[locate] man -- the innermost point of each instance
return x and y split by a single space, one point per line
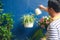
54 11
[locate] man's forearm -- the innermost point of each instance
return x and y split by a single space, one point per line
43 8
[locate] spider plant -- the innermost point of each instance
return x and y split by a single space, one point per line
28 19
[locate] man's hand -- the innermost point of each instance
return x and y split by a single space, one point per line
43 8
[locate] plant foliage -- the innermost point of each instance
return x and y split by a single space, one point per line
6 24
28 19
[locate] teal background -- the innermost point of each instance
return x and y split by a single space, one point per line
19 8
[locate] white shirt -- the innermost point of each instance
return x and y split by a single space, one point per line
54 30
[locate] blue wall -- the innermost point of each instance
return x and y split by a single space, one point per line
19 8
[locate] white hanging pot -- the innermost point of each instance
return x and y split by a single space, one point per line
28 25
